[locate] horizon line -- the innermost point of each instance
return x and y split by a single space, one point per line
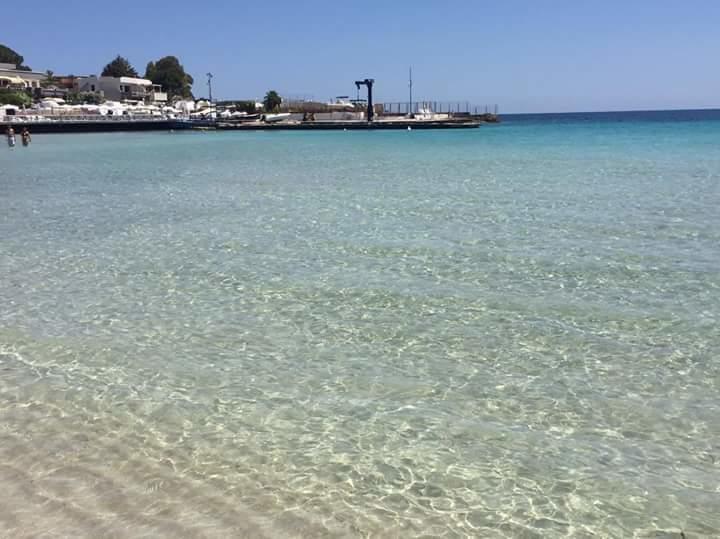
701 109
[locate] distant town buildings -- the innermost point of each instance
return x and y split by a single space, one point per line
112 88
18 79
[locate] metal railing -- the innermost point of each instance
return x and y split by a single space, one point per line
438 107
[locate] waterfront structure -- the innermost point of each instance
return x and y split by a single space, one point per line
52 91
122 88
18 79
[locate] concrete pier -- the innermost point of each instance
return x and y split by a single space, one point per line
111 125
350 125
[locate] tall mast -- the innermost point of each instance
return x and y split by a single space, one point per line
410 85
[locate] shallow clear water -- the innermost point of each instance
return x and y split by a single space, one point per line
507 332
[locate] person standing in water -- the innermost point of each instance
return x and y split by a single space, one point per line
25 136
10 133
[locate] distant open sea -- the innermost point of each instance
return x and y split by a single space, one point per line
512 331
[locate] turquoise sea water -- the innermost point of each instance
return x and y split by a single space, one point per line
505 332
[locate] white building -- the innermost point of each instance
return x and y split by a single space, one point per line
122 88
17 79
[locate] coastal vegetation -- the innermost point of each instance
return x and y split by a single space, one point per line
13 97
8 96
167 72
83 98
272 101
170 74
119 67
9 56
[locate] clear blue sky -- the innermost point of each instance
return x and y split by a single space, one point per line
525 55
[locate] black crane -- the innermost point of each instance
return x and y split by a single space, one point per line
369 83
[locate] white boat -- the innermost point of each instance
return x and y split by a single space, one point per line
342 102
269 118
242 116
205 114
425 113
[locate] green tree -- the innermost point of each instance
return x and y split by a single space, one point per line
169 73
19 99
119 67
150 71
272 101
9 56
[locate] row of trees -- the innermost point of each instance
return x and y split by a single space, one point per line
167 71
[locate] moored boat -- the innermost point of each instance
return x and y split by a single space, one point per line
270 118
